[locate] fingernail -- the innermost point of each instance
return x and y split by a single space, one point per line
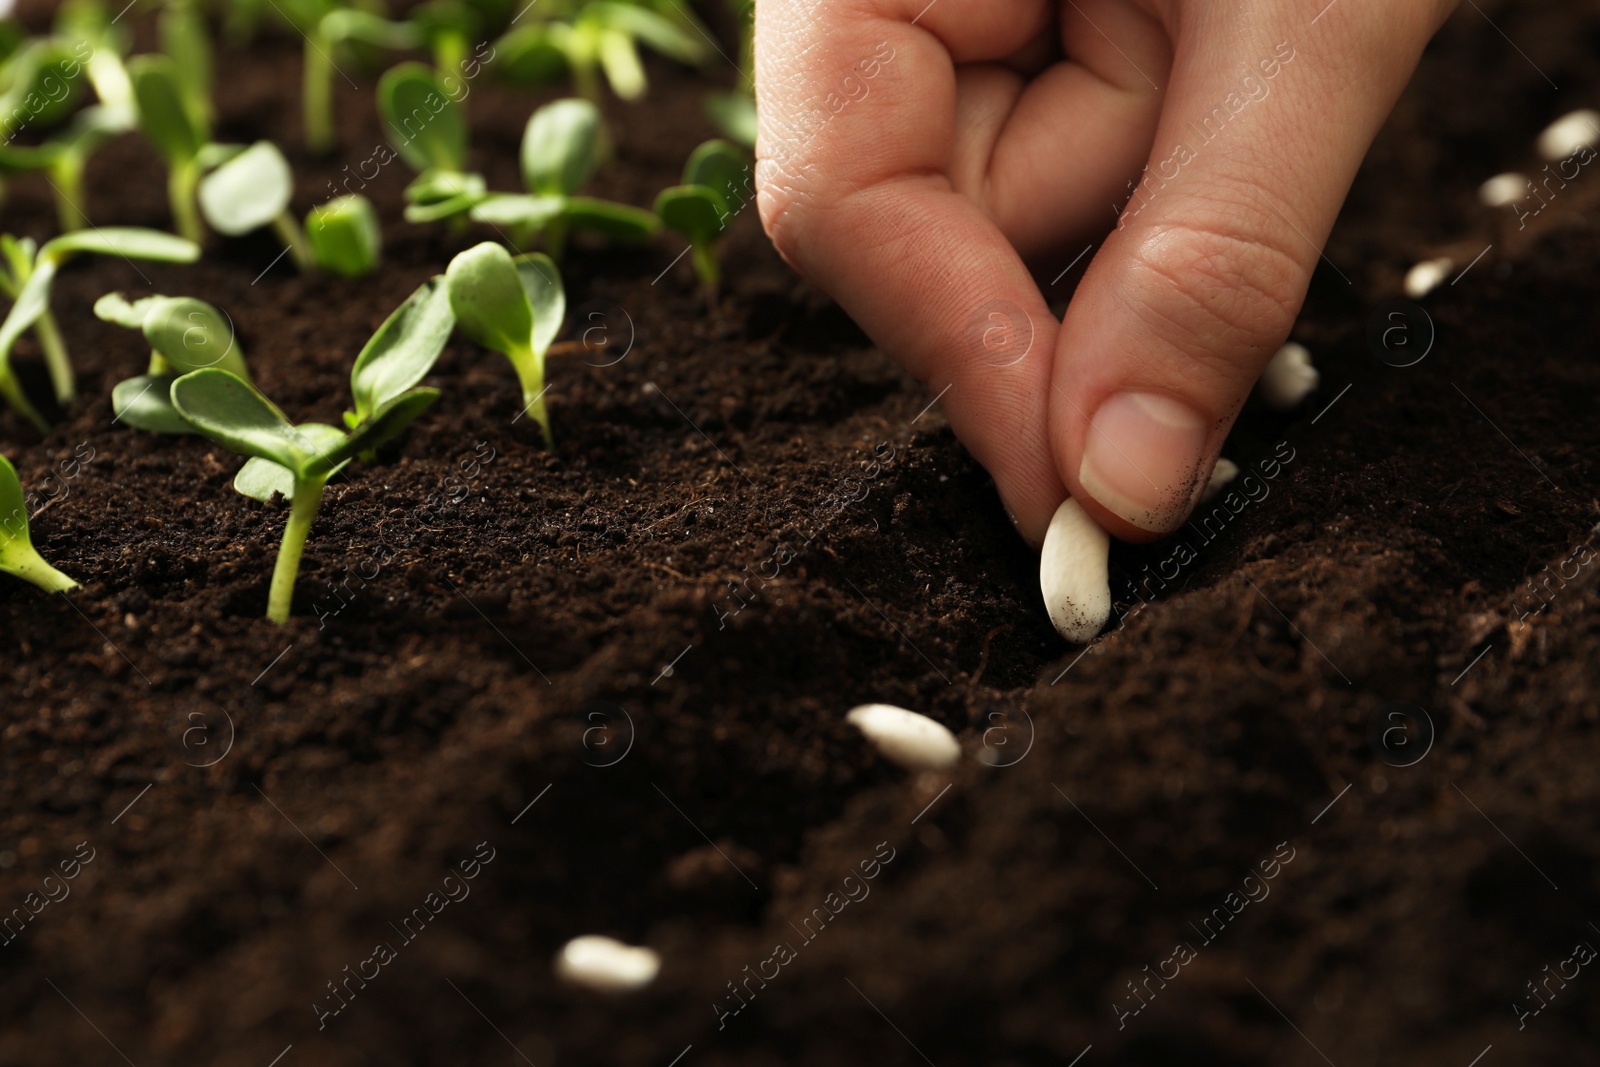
1143 459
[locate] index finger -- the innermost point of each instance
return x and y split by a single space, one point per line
857 103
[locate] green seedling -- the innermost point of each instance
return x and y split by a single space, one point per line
515 307
336 31
184 335
27 273
185 40
715 188
345 237
63 158
429 130
41 82
560 149
396 358
92 27
17 554
734 111
180 131
600 37
252 190
228 410
449 27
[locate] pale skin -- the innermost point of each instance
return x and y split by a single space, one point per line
916 161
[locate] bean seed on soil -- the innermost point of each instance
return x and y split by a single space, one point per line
1074 569
913 741
1570 133
1288 379
606 965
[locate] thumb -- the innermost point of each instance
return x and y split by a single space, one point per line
1267 118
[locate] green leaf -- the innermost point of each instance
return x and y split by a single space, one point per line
533 54
386 423
184 38
619 58
734 113
145 403
114 308
542 282
425 125
352 24
692 210
192 335
518 209
442 209
213 155
345 237
32 302
560 147
659 33
131 242
247 192
620 222
404 349
177 133
43 81
434 186
22 159
229 411
259 478
723 167
444 18
17 554
486 292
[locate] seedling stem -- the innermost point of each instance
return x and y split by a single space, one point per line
530 373
302 511
182 181
55 358
299 248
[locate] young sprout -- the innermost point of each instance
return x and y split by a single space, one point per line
252 190
716 183
334 31
180 132
513 306
63 158
449 27
560 149
345 237
17 554
27 274
398 356
734 111
94 28
43 79
184 335
228 410
429 131
184 38
602 37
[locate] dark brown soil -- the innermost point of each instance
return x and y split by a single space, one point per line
512 636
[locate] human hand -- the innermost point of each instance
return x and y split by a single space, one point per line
914 156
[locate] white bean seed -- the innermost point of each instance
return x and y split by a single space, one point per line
913 741
1288 379
1503 189
1222 476
1569 133
1074 569
1425 277
606 965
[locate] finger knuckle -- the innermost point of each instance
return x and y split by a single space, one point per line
1215 290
